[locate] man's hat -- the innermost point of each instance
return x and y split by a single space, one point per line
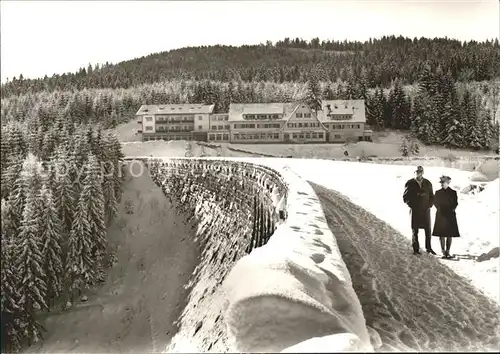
420 169
444 179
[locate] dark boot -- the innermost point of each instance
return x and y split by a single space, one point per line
414 241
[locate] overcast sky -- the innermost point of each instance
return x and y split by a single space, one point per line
46 37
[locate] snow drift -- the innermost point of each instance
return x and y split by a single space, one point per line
296 287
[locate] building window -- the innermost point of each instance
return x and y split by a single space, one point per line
200 127
200 117
307 115
149 128
300 125
214 127
314 135
338 136
149 119
320 135
298 115
226 127
276 136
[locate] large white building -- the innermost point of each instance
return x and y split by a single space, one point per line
296 122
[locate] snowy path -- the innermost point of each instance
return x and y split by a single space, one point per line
414 303
144 294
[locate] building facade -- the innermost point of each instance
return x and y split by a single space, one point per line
338 121
174 121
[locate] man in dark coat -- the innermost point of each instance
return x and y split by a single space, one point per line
419 196
445 225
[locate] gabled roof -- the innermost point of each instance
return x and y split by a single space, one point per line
356 108
186 108
296 106
237 110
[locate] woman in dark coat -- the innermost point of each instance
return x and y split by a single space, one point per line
445 225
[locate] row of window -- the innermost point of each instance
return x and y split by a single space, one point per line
311 135
256 136
344 126
173 137
303 125
174 128
303 115
173 118
339 116
220 118
218 137
219 127
261 125
262 116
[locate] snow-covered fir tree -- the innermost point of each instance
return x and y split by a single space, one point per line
10 295
404 149
313 96
93 197
64 192
399 106
80 267
32 286
51 245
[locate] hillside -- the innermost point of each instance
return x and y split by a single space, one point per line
379 60
440 89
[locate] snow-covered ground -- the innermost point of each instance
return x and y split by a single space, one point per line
407 312
379 190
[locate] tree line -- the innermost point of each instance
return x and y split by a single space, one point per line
290 60
437 97
60 187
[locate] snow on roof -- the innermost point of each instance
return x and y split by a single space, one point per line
237 110
187 108
356 108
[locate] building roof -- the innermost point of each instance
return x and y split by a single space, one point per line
237 110
352 107
186 108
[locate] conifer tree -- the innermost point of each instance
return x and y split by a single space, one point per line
93 197
404 148
10 296
16 197
51 244
400 108
379 109
313 96
32 286
79 265
64 192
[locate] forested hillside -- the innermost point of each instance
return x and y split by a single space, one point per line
379 60
393 75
